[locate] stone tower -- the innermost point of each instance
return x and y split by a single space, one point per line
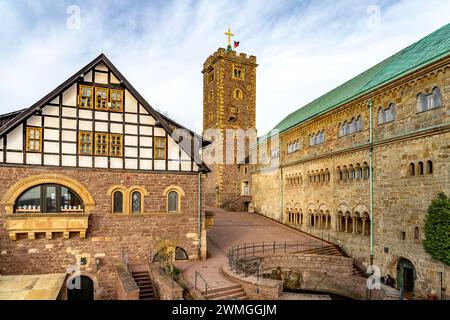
229 102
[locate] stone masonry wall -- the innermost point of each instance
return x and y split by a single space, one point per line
108 235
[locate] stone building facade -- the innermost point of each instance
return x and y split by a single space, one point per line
87 181
229 115
321 184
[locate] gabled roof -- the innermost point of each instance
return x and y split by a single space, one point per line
430 49
168 124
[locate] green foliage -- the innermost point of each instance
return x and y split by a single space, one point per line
437 229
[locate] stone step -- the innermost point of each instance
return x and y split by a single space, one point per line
220 289
235 296
225 293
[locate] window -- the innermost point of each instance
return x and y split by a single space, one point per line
429 167
172 201
275 153
293 146
245 170
118 202
85 97
210 96
116 100
238 94
412 169
101 144
429 101
317 138
420 168
238 72
180 254
115 145
34 139
85 143
416 233
101 99
387 115
159 148
136 202
49 198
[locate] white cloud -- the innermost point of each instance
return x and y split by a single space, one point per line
304 48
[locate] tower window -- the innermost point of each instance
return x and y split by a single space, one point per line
238 72
238 94
210 96
211 76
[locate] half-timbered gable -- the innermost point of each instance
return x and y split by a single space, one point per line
96 119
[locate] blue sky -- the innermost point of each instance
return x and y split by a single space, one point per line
304 48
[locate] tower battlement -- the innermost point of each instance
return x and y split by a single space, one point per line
222 53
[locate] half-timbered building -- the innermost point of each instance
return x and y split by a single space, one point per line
91 175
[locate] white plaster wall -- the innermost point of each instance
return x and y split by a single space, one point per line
131 163
131 129
160 132
101 126
70 96
14 157
51 160
51 147
160 165
113 78
147 120
88 76
55 101
148 131
186 165
69 161
117 117
174 150
142 110
85 114
145 164
69 135
101 67
146 153
101 77
101 162
116 163
146 141
85 125
34 158
51 134
173 165
85 161
14 139
131 140
34 121
69 112
116 128
50 110
131 103
69 148
51 122
131 152
69 124
132 118
101 115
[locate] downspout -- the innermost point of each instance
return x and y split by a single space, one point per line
368 297
371 179
200 215
281 195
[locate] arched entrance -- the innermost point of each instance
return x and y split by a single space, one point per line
406 274
85 291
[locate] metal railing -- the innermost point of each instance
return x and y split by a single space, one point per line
245 258
198 275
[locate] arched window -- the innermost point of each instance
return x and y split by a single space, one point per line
341 130
381 116
118 202
416 233
344 173
429 167
420 168
180 254
366 171
352 173
412 169
136 199
436 98
358 172
391 113
359 124
421 102
172 201
49 198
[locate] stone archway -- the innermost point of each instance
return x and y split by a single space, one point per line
406 275
82 290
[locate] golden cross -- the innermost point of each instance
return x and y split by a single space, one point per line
229 34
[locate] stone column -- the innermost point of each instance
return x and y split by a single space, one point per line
364 226
346 224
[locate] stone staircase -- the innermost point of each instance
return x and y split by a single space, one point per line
145 285
232 292
238 203
335 250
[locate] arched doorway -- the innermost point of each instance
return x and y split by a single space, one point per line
85 290
406 274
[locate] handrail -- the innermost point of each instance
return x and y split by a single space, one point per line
261 249
198 274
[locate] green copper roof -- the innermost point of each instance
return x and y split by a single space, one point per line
431 48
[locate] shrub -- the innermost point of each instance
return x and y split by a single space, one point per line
437 229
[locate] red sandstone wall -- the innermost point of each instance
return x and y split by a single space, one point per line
108 234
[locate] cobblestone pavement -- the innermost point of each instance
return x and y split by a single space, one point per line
232 229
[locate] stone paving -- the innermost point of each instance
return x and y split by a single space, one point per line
232 229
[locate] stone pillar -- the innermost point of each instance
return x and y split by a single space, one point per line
346 224
364 227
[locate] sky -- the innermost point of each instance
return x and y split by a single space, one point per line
303 48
